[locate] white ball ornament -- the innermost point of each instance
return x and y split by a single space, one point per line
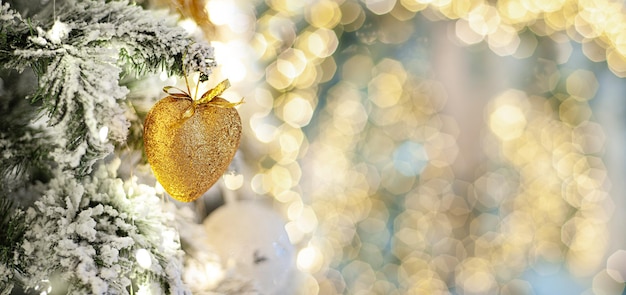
251 240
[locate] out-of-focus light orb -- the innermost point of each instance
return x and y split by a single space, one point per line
234 69
582 84
414 5
484 19
327 69
263 131
385 90
290 144
504 41
286 153
144 259
401 13
294 210
437 3
297 112
584 237
357 70
309 259
513 10
233 181
261 183
279 32
276 78
103 134
352 16
380 6
616 62
507 122
591 137
616 266
232 58
410 158
287 6
307 222
323 14
350 116
230 14
574 112
295 234
465 33
528 44
280 178
594 50
322 42
493 188
604 283
259 44
517 286
189 25
221 11
264 101
564 47
474 276
291 63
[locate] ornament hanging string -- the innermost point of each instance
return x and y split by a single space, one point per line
207 98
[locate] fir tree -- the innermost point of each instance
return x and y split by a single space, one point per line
64 212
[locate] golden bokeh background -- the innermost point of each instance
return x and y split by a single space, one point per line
435 146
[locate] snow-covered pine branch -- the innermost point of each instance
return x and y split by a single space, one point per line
13 228
79 58
86 231
24 149
99 235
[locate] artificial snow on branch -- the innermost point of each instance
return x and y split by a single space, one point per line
19 142
13 228
79 58
99 233
82 225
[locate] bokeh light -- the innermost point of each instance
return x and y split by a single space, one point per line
432 146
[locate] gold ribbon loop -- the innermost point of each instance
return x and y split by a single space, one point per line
181 93
213 93
207 98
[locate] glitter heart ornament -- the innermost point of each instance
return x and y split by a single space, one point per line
190 143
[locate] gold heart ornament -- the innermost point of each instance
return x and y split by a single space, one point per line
189 143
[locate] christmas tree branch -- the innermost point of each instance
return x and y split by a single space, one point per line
86 231
25 149
101 235
79 58
13 225
13 29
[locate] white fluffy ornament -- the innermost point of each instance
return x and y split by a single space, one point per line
251 240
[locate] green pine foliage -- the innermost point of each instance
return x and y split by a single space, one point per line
64 212
79 58
13 224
